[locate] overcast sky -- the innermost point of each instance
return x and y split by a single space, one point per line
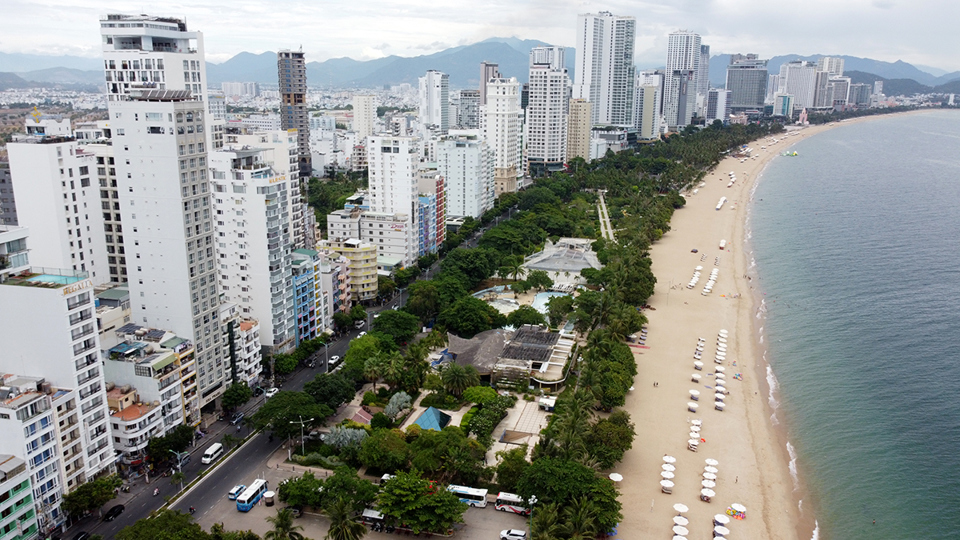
917 31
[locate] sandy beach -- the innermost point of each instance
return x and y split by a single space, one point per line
753 461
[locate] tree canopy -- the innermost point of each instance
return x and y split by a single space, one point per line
282 413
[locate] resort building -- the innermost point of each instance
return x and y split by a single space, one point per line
501 123
546 127
605 67
680 85
467 166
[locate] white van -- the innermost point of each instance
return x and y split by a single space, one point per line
213 452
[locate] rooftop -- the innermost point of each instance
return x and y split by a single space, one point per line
134 412
115 293
48 278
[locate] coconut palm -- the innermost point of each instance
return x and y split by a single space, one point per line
579 521
457 378
283 527
342 525
373 369
544 524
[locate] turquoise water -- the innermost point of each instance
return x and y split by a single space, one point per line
541 299
856 245
50 278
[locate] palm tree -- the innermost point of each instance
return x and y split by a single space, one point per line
579 520
457 378
283 527
393 369
544 524
342 526
373 369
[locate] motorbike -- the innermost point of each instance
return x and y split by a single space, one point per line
156 491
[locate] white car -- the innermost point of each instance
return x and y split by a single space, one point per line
513 534
361 334
271 392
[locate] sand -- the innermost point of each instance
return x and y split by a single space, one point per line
753 461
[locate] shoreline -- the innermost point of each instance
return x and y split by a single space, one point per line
743 438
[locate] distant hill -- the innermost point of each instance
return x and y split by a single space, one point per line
11 80
17 62
64 76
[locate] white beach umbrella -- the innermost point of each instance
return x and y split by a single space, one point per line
721 369
680 531
680 507
694 442
718 405
710 469
616 477
680 520
739 507
720 376
719 397
698 365
666 475
708 484
693 435
669 459
695 377
709 476
679 538
712 462
721 530
691 406
668 467
694 393
666 483
696 422
721 340
720 388
695 429
723 332
706 492
721 519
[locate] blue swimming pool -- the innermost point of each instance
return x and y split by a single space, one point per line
541 299
50 278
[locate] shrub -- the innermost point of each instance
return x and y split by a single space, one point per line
484 421
465 421
380 421
369 398
398 402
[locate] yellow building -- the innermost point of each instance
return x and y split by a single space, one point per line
578 130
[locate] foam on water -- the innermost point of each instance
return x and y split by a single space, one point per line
793 466
816 531
773 384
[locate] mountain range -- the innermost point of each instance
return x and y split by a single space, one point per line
462 63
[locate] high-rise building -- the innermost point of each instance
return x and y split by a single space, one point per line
831 64
153 53
747 82
646 116
8 201
240 89
578 129
783 105
393 178
773 87
17 495
501 125
251 200
859 94
840 88
292 70
605 70
799 79
822 92
717 104
546 125
468 114
466 164
169 229
58 198
364 116
435 101
703 71
488 70
680 84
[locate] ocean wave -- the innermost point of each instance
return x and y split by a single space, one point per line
774 386
793 466
816 530
762 310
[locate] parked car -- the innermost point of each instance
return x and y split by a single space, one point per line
237 418
113 512
257 392
272 392
361 334
513 534
235 492
295 510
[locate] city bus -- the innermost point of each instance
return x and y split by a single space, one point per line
472 496
508 502
249 498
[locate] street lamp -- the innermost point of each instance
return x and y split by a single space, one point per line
303 444
326 359
531 501
180 457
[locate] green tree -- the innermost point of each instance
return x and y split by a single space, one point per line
563 481
357 313
513 463
284 363
579 520
342 524
411 500
342 321
301 491
469 316
558 307
345 484
91 495
400 325
217 532
236 395
158 449
480 395
520 287
385 286
281 414
610 438
177 478
166 525
423 301
373 369
384 450
283 527
539 279
457 378
330 389
545 523
361 349
525 315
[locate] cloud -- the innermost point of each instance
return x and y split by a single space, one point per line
435 46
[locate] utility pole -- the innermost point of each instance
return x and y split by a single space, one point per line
302 422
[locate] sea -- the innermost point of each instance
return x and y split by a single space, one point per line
856 255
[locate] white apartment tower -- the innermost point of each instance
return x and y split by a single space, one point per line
501 122
546 124
703 79
145 52
169 232
393 176
466 163
683 63
605 69
435 100
58 198
645 116
831 64
252 203
364 116
799 79
488 70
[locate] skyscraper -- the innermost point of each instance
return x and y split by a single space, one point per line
364 116
468 114
831 64
501 123
394 183
292 71
547 110
435 101
466 164
488 70
683 63
799 79
717 105
578 130
747 82
605 71
646 106
703 79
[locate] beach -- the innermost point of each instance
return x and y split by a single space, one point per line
753 467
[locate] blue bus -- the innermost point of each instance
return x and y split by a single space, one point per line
251 496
